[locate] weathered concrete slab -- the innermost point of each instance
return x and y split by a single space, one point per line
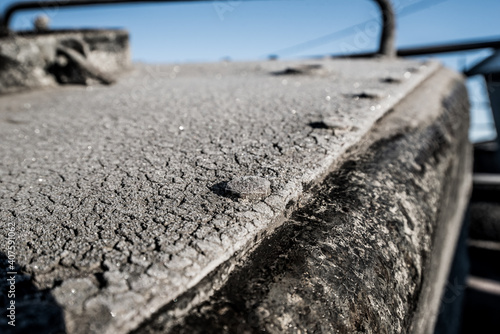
371 250
117 193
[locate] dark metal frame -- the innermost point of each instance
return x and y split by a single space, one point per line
434 49
16 7
387 39
456 47
386 46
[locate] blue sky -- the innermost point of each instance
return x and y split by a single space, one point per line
241 30
250 30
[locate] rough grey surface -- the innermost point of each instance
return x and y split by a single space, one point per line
356 257
31 60
115 191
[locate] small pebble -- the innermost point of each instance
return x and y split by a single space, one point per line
249 187
336 123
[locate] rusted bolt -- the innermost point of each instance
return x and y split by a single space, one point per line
249 187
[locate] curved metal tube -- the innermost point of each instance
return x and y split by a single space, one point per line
387 39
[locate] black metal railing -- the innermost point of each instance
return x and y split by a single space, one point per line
387 40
